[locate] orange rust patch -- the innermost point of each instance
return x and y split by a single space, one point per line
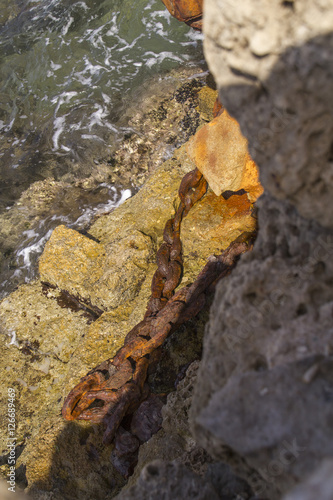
220 152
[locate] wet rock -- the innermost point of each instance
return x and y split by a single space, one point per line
207 98
220 152
157 198
157 125
189 11
164 115
26 225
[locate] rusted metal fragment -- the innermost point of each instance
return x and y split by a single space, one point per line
188 11
218 108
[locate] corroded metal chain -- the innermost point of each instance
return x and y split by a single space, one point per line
117 386
169 256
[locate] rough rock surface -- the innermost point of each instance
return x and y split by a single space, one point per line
264 387
174 480
174 451
165 115
207 98
220 152
318 485
272 62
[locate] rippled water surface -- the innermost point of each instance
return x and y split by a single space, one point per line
65 72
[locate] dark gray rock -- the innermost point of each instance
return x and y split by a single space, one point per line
263 393
169 480
318 485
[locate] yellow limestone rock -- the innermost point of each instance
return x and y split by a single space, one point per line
72 261
220 152
100 275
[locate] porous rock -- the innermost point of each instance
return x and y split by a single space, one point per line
213 223
318 485
174 441
41 357
164 114
262 389
270 316
169 480
127 239
207 98
84 267
273 64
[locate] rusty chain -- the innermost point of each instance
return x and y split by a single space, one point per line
119 383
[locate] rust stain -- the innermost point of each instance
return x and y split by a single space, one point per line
220 152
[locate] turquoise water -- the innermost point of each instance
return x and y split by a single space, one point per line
66 70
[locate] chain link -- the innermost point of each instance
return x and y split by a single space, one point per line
120 383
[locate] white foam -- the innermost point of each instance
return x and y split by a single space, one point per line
59 128
127 193
106 98
55 66
97 118
159 57
83 5
63 98
114 29
102 208
65 28
34 248
9 127
161 13
92 137
195 35
131 45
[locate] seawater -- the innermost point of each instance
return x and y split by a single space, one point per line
67 71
